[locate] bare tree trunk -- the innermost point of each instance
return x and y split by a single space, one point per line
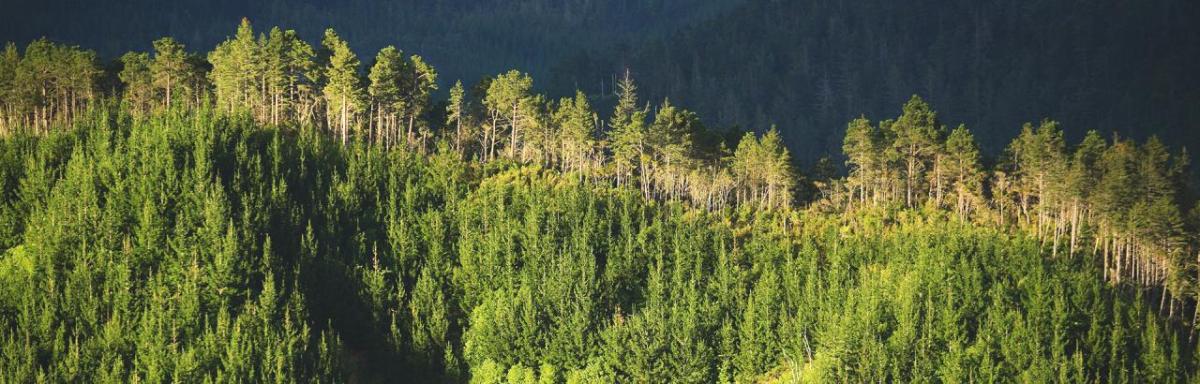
344 121
908 181
167 102
1107 266
512 141
458 135
1074 225
412 116
1054 248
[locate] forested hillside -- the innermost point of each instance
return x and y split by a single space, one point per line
278 210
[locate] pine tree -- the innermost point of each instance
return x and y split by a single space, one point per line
670 139
234 69
10 61
861 146
342 92
763 168
277 77
962 162
1081 179
138 82
387 101
421 81
915 144
456 113
1113 195
780 177
1037 157
576 124
509 99
171 68
303 78
627 133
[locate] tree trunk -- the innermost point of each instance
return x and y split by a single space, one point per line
344 121
167 102
512 141
412 117
908 182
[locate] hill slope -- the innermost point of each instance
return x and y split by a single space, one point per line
190 246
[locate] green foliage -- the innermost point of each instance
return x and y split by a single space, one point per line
342 92
48 84
230 242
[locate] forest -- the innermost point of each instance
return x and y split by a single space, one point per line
279 210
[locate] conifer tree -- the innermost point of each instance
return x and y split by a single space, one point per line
861 145
780 177
962 162
627 132
763 167
670 137
508 99
1114 194
915 144
421 80
1037 157
138 82
342 92
234 69
456 113
1081 180
10 61
387 101
171 69
302 77
576 124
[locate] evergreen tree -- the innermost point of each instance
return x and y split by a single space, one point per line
387 100
456 113
10 62
1037 157
576 124
763 167
627 133
138 82
233 74
508 99
962 163
915 143
421 81
862 148
342 92
303 77
171 69
670 138
1081 181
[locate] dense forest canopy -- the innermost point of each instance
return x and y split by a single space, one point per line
807 66
280 208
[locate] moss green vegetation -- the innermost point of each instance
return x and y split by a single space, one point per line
194 247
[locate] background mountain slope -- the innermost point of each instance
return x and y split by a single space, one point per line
811 66
808 65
